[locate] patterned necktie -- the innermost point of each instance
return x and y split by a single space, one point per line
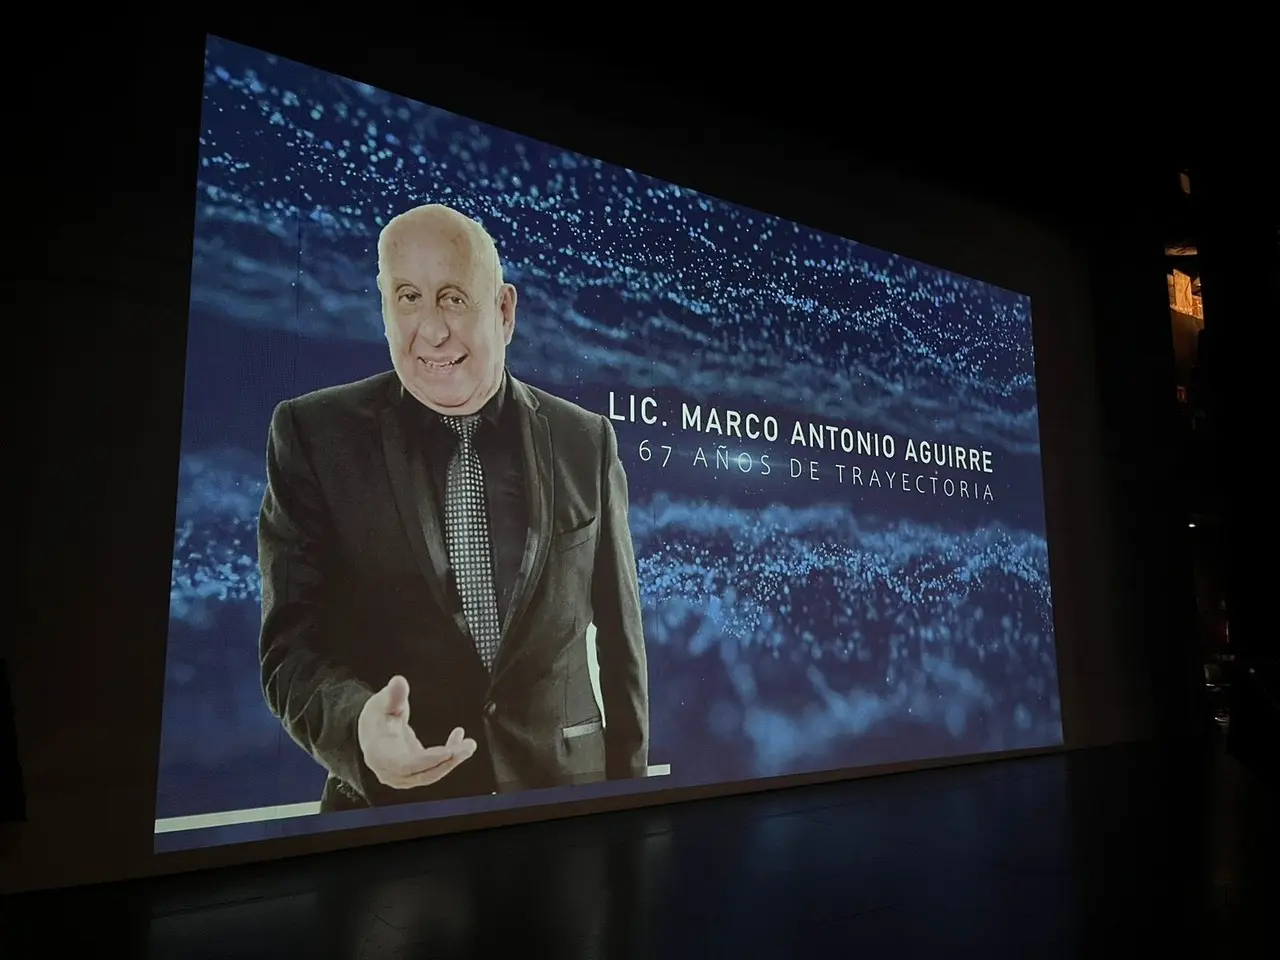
466 533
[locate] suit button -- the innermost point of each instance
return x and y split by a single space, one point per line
490 709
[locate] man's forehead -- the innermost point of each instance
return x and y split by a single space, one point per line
436 241
446 237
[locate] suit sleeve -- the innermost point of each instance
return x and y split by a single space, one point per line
624 673
303 679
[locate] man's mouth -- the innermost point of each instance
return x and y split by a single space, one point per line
441 364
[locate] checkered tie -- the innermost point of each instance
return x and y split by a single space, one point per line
466 534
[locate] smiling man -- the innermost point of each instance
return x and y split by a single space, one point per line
448 537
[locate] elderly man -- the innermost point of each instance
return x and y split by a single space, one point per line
448 537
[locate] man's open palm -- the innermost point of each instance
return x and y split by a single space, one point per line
392 750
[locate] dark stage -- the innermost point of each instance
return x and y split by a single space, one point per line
1094 853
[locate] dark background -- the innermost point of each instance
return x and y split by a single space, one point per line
105 185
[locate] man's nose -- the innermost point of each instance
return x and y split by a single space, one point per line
434 327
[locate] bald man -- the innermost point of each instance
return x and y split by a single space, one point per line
438 545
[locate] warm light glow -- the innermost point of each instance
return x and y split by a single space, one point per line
1183 297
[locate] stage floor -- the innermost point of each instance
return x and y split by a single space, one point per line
1090 854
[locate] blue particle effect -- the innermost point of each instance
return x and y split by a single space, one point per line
791 626
632 279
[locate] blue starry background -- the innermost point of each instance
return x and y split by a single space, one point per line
793 624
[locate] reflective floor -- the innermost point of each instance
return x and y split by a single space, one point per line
1101 853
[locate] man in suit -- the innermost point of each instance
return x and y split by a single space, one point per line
445 535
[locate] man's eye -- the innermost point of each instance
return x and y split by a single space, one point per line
410 297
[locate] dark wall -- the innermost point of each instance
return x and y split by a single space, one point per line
13 798
1145 462
1238 207
100 417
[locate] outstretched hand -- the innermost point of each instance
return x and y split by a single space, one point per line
392 750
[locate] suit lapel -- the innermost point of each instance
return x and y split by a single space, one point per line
410 486
539 485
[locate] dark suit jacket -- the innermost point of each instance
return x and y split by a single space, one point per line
354 574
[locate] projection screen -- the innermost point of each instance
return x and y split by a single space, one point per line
510 477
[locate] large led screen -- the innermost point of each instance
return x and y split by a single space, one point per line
510 477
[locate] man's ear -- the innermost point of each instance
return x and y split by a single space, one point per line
507 307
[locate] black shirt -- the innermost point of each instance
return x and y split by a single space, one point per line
497 442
